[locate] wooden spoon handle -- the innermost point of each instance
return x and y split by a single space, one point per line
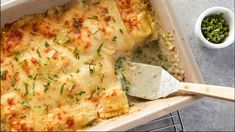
219 92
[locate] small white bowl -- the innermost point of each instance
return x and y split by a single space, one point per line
229 18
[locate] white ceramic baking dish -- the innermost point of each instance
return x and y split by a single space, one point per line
144 111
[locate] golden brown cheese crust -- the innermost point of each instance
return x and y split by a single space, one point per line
57 69
137 18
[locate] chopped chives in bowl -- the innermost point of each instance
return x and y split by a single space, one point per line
215 29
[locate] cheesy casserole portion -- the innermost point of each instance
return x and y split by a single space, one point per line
57 68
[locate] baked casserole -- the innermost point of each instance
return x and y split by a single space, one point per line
58 68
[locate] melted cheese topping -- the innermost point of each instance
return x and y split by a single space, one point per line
137 19
57 69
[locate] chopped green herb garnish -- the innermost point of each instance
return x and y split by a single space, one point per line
114 38
26 89
46 63
105 11
114 19
80 93
91 67
93 17
164 67
62 69
34 88
30 76
96 31
35 77
62 89
25 104
71 88
62 39
93 92
131 104
3 74
49 77
119 64
119 71
76 98
76 53
17 56
214 28
124 82
56 75
46 44
160 56
121 31
78 70
38 52
99 49
46 86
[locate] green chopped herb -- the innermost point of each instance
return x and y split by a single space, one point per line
71 88
46 108
62 88
38 52
99 49
96 31
62 39
46 44
124 82
76 98
119 64
46 63
114 19
17 56
35 77
56 75
76 53
30 76
25 104
33 88
93 92
164 67
121 31
91 67
13 82
114 38
93 17
105 11
83 1
46 86
80 93
49 77
119 71
26 89
62 69
78 70
3 74
214 28
160 56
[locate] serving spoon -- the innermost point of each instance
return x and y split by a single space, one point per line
153 82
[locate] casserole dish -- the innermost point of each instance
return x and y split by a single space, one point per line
143 111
